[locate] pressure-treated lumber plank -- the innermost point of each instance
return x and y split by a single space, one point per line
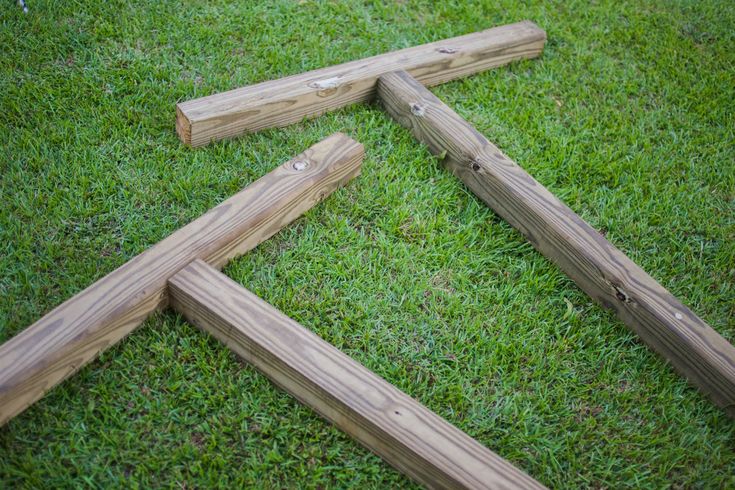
71 335
286 101
694 349
399 429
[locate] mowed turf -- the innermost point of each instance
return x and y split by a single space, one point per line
628 116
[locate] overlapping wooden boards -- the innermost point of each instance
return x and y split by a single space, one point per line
282 102
399 429
694 349
71 335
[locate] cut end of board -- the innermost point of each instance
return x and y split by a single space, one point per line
183 126
535 28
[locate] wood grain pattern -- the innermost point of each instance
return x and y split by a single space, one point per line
694 349
289 100
72 334
399 429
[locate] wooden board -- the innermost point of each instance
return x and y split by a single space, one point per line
399 429
601 270
289 100
71 335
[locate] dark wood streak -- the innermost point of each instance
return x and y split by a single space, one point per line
381 417
690 345
72 334
289 100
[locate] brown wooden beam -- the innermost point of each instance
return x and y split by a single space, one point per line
377 414
694 349
64 340
289 100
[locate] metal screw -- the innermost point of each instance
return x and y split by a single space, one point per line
300 165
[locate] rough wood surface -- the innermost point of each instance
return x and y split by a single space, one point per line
694 349
72 334
289 100
399 429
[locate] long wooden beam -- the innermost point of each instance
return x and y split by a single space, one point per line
71 335
286 101
694 349
380 416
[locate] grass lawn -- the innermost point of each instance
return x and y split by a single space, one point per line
628 117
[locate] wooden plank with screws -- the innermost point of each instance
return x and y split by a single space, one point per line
692 347
380 416
71 335
288 100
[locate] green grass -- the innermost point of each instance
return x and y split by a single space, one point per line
628 116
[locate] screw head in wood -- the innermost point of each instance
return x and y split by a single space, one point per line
300 165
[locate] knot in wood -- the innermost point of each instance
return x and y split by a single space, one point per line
446 50
300 165
418 109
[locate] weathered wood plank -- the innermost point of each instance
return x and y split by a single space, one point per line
694 349
289 100
396 427
72 334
